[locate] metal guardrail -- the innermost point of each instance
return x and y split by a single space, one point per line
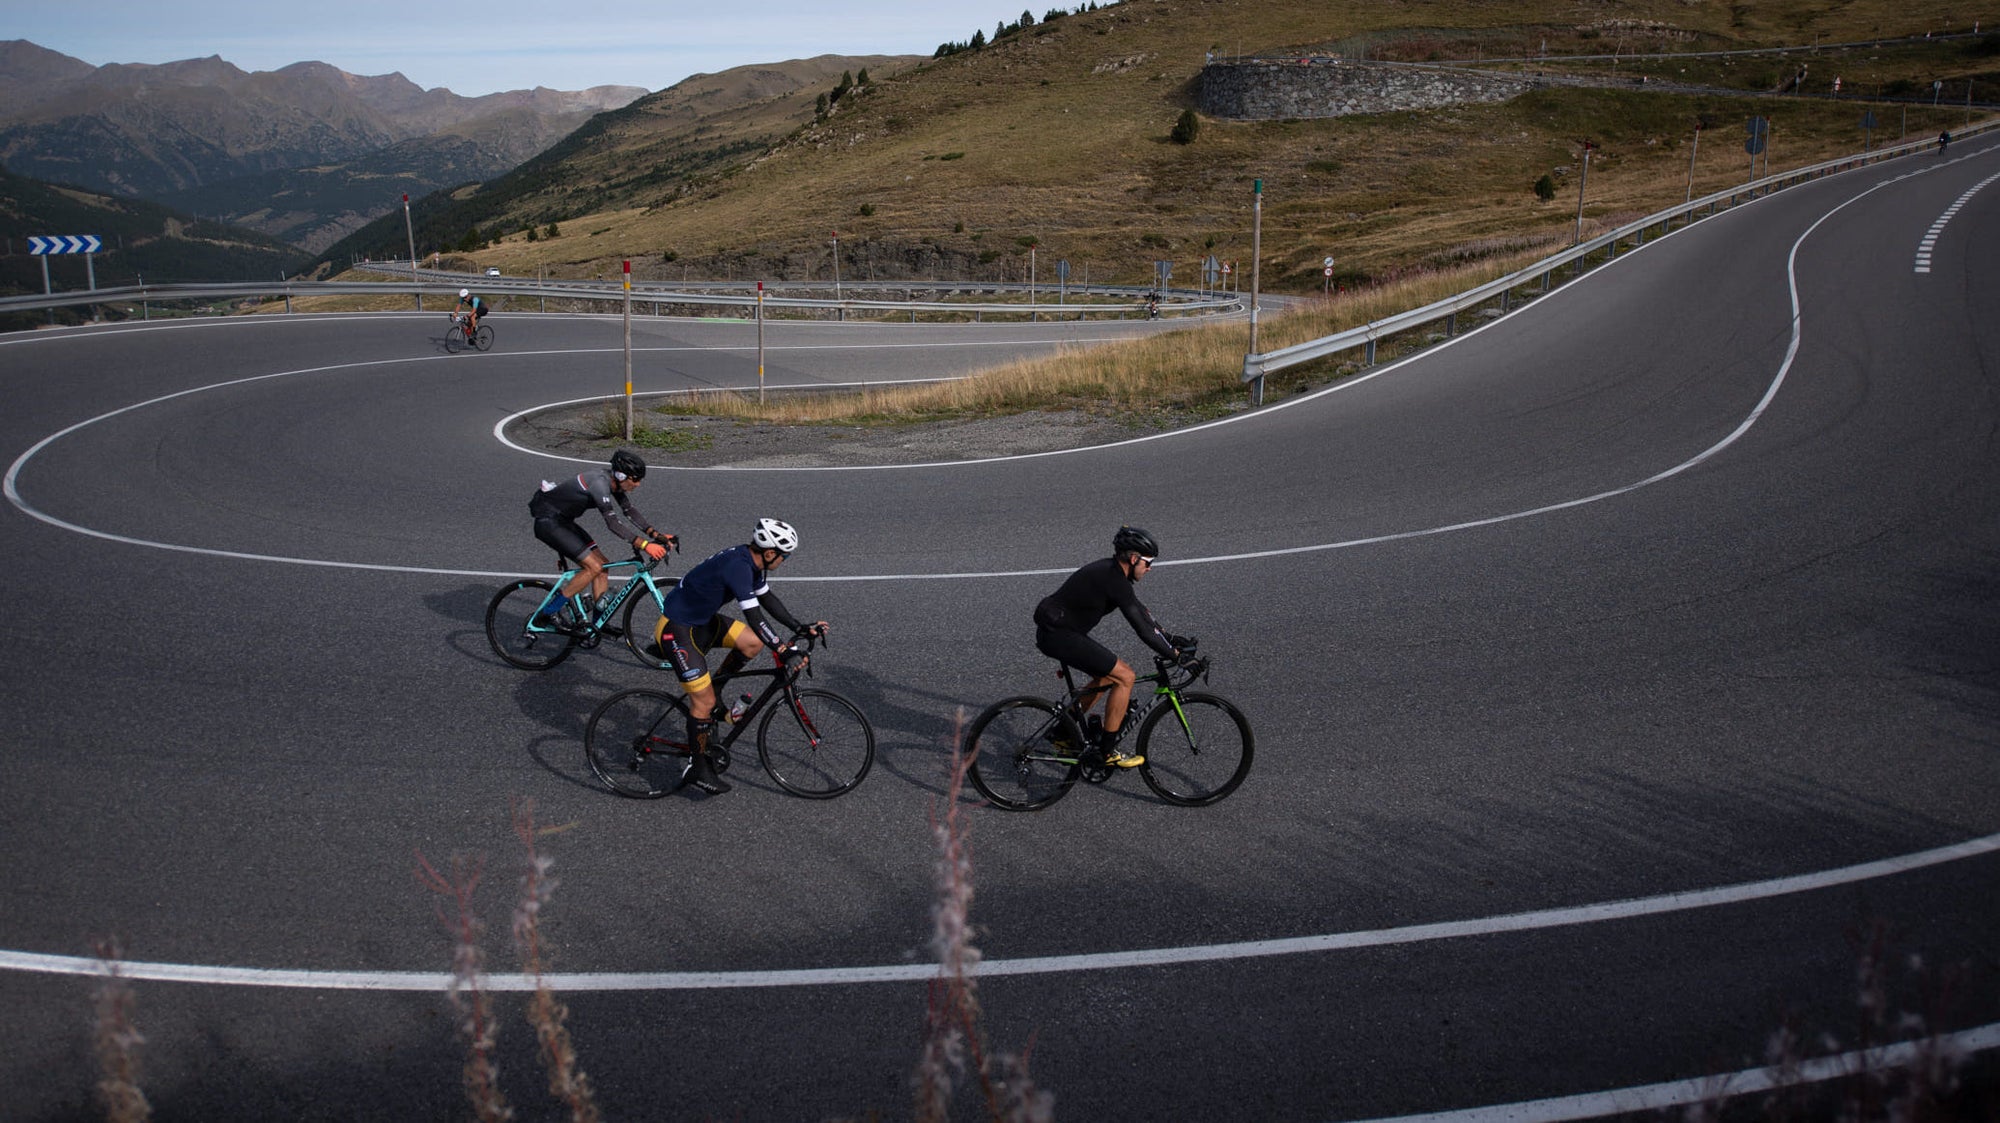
658 297
1365 337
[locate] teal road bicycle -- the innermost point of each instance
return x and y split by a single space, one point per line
525 638
1028 752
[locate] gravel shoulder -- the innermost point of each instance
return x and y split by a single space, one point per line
711 442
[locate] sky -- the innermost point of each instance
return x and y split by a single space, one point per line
486 46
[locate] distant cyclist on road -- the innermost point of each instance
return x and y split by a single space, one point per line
555 509
693 621
1063 621
473 307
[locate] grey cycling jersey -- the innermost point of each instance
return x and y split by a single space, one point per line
579 493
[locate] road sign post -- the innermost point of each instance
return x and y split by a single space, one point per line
45 245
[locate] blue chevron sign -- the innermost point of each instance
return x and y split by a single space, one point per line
64 243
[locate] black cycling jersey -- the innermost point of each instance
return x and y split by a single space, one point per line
1089 595
563 502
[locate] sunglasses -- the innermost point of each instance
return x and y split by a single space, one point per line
1146 561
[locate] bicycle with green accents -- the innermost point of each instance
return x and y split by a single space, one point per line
1028 752
525 638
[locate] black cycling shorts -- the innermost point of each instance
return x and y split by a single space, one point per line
684 644
564 537
1075 649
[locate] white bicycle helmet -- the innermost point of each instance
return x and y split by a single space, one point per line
774 535
463 293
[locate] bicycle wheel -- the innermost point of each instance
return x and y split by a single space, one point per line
1198 754
483 338
517 636
1024 753
636 743
816 744
642 621
454 337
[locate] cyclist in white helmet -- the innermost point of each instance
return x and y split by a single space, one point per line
474 307
693 621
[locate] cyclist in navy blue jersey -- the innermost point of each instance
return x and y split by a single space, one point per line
1064 618
693 621
556 506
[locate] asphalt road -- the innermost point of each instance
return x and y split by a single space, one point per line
1648 589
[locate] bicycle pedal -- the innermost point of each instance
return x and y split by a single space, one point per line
1097 772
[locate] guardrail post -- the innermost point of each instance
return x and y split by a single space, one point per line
1370 360
1253 373
1451 325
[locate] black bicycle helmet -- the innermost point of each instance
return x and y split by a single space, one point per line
1132 540
628 465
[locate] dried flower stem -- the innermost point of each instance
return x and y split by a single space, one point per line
118 1042
546 1012
468 992
951 1023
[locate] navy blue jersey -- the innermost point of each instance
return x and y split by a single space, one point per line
726 575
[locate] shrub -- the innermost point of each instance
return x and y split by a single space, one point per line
1186 129
1545 188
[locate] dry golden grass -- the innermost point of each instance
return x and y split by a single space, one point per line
1059 133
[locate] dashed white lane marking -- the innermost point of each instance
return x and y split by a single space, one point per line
1927 245
1039 965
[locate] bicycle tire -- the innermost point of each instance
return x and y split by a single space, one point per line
508 616
636 743
1015 764
454 336
483 338
642 619
822 747
1198 761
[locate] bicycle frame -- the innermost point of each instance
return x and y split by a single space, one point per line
1139 704
611 602
784 681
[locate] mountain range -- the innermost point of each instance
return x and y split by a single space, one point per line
306 153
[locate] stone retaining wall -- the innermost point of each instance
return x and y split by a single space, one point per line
1280 89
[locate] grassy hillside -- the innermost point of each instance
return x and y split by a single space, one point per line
651 149
1056 135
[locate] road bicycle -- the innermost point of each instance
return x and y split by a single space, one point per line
813 743
525 638
455 339
1027 752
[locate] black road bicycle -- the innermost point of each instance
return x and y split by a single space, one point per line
457 339
1028 752
813 742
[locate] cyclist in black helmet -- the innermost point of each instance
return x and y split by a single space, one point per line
1063 621
556 506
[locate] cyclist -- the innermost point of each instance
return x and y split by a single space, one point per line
1063 621
556 506
693 621
473 307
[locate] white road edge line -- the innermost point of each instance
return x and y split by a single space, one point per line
1034 965
1714 1088
1791 353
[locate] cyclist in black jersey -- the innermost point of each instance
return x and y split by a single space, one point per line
693 621
556 506
1063 621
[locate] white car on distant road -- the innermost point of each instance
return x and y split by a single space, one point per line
493 270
